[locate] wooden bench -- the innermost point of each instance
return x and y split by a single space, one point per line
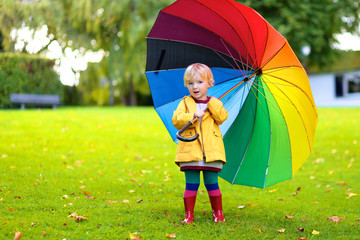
35 99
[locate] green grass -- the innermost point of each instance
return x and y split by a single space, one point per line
84 160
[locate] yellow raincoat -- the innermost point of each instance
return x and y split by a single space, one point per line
209 146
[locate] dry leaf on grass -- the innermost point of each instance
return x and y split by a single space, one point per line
18 235
171 235
167 214
314 232
281 230
134 237
351 195
109 201
77 218
258 230
335 219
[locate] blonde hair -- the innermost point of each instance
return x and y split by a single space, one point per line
198 69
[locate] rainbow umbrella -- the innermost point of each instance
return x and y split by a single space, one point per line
272 116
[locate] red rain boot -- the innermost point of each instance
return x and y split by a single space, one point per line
216 204
189 203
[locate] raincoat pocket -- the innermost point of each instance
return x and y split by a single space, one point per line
187 146
218 141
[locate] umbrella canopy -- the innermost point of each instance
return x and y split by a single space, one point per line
272 116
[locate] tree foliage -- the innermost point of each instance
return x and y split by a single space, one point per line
309 23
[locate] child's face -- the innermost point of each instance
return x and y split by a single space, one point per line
198 87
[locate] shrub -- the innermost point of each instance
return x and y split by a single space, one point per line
23 73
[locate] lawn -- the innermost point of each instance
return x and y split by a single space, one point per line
109 173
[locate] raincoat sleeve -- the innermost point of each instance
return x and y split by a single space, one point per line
217 110
181 117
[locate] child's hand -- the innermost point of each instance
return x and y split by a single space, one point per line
199 114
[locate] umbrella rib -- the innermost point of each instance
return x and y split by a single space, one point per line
268 116
247 147
259 101
281 113
224 20
273 84
270 58
299 89
222 41
302 120
266 97
240 72
248 25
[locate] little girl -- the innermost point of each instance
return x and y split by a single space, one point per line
207 153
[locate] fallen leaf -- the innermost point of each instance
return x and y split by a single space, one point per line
125 201
171 235
341 183
301 230
319 160
86 192
167 214
12 209
258 230
304 219
289 216
241 207
314 232
140 200
281 230
357 220
72 215
80 218
109 201
302 238
351 195
82 187
43 233
17 197
133 236
273 190
251 204
335 219
18 235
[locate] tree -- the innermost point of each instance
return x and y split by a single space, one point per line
311 24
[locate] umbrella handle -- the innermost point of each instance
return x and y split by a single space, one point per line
178 134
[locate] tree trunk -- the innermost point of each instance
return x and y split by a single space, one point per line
111 92
133 100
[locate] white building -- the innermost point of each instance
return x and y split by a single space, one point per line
341 89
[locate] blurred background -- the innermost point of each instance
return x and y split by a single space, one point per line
93 52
